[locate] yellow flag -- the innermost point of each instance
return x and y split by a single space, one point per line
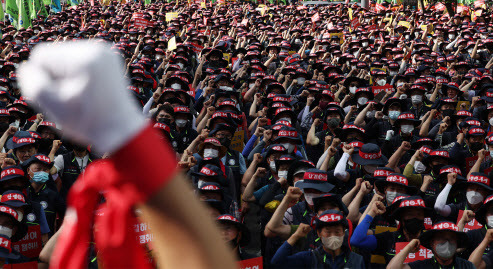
171 15
405 24
172 44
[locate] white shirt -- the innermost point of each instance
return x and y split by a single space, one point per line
81 162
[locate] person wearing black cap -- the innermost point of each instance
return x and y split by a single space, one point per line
70 165
23 144
477 187
474 142
406 124
236 234
314 184
443 239
37 168
368 158
410 213
334 252
182 133
233 159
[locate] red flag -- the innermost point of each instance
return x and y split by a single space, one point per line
379 7
315 17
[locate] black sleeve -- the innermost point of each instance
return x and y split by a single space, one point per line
385 243
269 194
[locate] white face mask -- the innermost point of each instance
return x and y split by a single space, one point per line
301 81
407 129
371 114
176 86
419 167
310 196
226 88
181 123
451 36
362 101
16 123
288 146
332 242
469 51
489 219
20 216
393 73
285 119
390 196
474 197
382 82
282 174
353 89
251 85
353 67
446 250
491 121
272 165
416 99
400 84
364 44
180 65
211 153
6 231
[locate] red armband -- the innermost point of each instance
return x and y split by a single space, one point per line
146 161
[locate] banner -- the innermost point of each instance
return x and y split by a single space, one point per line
172 44
355 24
254 263
385 88
30 245
12 11
237 142
315 17
24 19
171 15
422 254
472 225
40 8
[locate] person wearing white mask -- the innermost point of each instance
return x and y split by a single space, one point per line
418 107
182 133
483 216
404 128
380 78
330 227
211 148
314 185
290 140
443 239
477 188
393 186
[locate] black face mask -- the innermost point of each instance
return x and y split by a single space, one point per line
333 123
414 226
225 141
165 121
44 145
476 146
448 112
4 127
436 169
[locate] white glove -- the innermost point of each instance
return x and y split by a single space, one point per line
389 135
81 86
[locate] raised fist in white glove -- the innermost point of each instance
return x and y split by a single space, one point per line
81 86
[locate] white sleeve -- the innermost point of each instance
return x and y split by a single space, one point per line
340 171
322 158
147 107
59 163
440 204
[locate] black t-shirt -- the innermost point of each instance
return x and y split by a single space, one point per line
459 263
386 244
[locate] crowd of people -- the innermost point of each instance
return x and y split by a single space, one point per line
328 136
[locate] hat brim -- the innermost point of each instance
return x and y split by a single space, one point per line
425 238
395 215
414 121
382 161
382 183
323 187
